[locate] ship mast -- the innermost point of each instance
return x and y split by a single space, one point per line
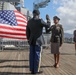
40 4
13 2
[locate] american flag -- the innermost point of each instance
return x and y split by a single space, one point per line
12 24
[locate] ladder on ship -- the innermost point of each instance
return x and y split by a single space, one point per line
1 5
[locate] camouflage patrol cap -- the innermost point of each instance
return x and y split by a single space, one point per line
55 17
37 12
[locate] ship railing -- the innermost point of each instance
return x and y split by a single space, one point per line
21 44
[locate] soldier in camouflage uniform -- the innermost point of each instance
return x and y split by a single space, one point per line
75 40
56 39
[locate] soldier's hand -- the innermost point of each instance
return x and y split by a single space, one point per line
47 17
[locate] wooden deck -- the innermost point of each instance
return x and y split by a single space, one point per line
14 62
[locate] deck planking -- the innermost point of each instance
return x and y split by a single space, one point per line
16 62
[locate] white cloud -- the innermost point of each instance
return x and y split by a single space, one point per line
70 31
67 13
55 1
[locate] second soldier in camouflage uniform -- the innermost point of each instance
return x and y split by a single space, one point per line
56 39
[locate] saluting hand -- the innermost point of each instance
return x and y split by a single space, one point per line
47 17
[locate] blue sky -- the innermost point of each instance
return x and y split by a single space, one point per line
47 10
64 9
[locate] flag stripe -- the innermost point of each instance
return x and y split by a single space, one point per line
20 15
13 31
19 18
13 37
13 28
1 32
22 21
19 27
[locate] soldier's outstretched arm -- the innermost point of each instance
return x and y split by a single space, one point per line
44 24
